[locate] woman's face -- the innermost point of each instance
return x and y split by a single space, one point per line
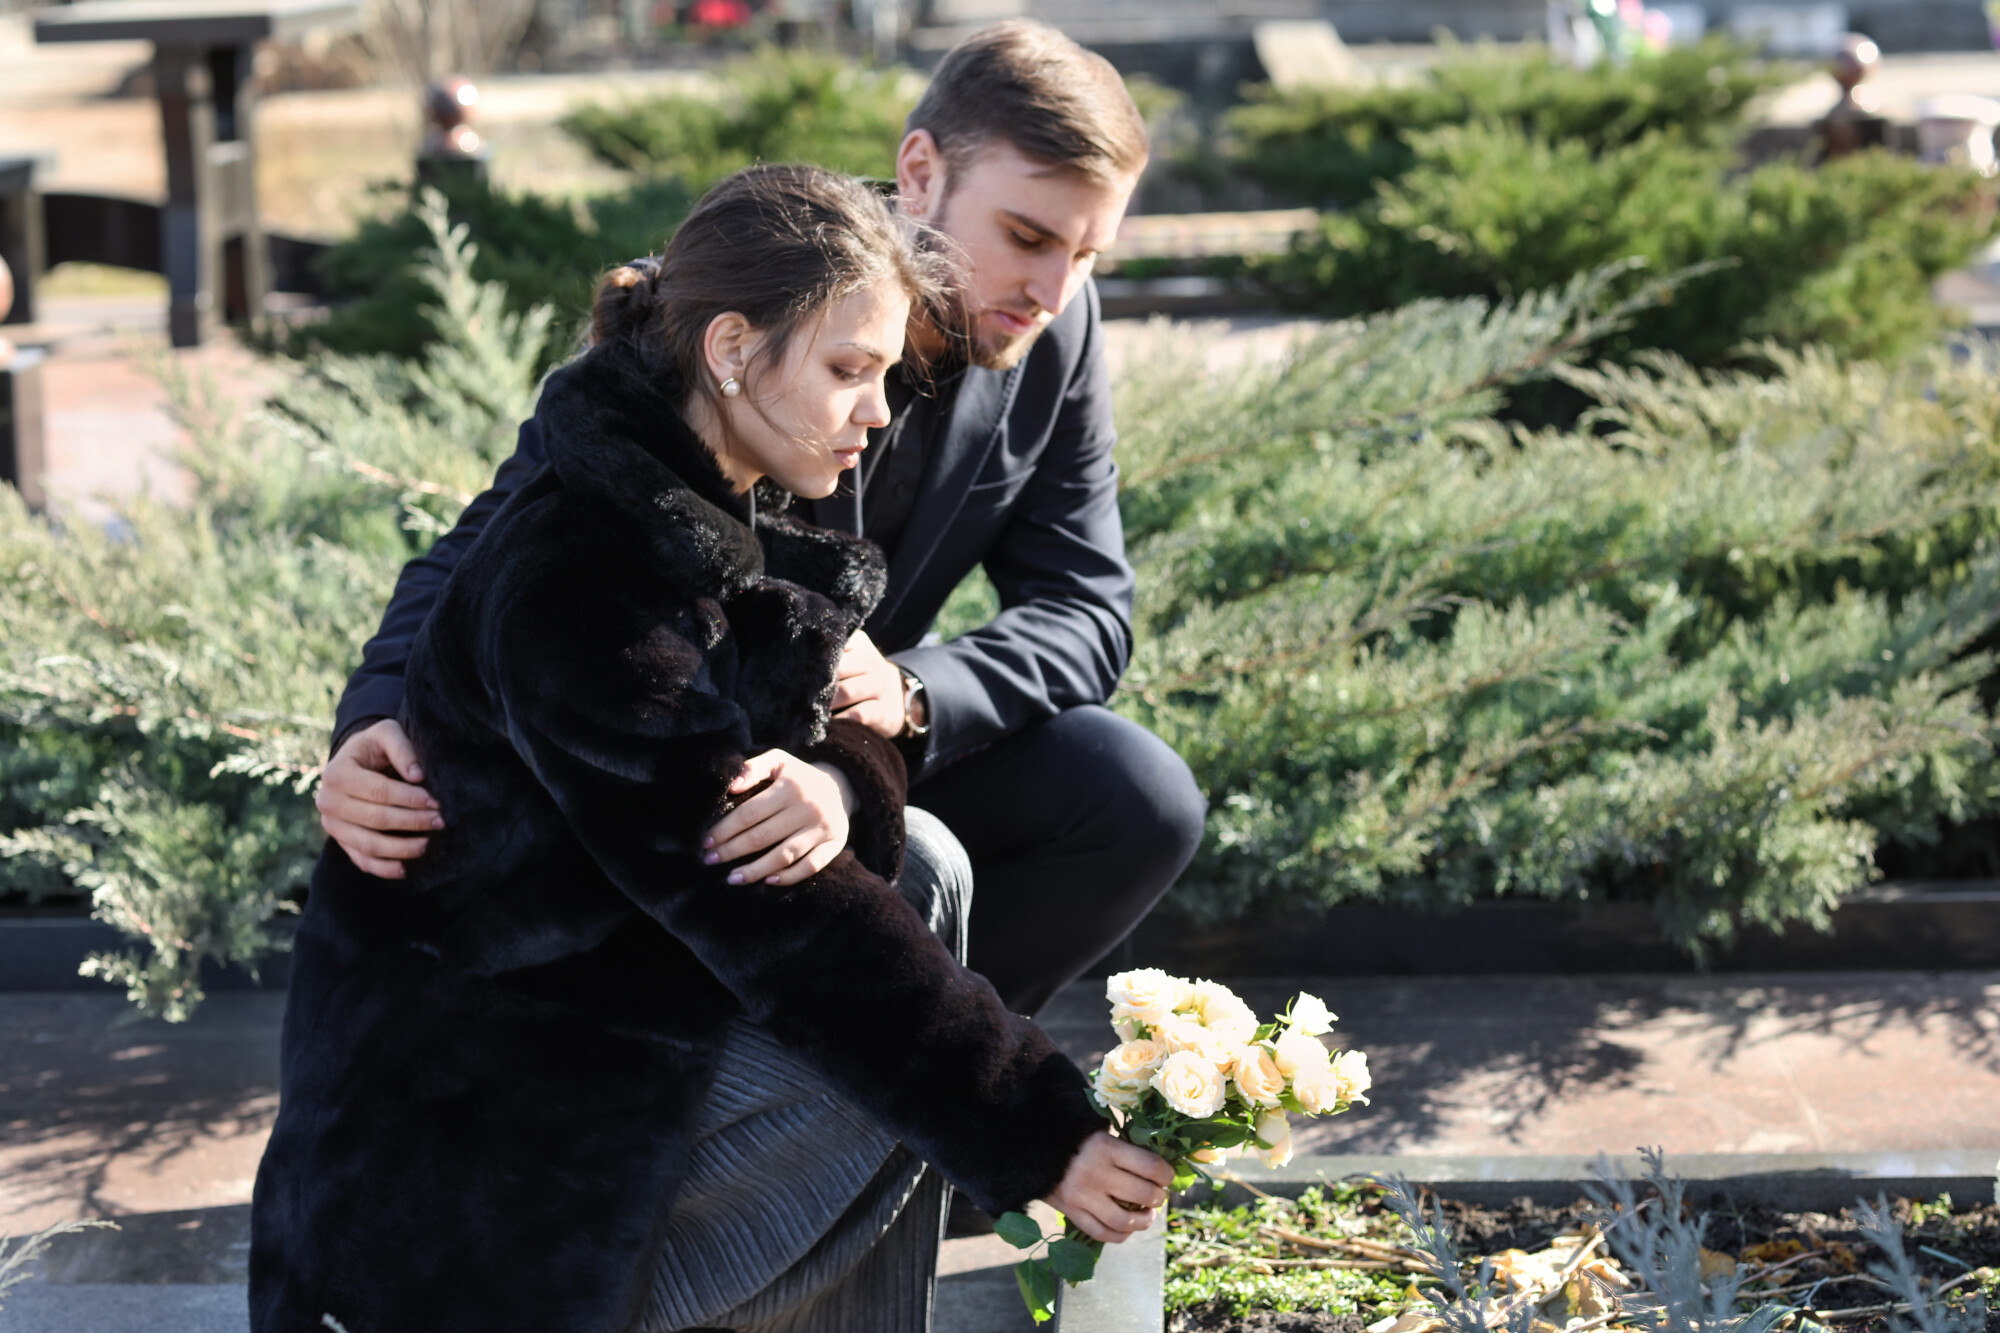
804 419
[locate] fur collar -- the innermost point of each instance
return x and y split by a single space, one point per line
616 436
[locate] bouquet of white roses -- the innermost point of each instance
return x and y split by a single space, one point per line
1197 1079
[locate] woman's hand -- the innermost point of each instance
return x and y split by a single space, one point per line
1112 1188
378 821
798 822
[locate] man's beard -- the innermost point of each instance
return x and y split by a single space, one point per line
996 352
987 351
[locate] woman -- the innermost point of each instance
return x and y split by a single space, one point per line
500 1083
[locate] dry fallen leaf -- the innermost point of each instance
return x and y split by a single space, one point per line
1714 1263
1771 1251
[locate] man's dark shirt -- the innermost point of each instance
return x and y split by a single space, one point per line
892 470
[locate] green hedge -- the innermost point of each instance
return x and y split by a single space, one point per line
1843 255
541 250
1327 147
1497 175
772 106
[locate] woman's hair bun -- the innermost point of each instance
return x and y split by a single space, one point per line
622 302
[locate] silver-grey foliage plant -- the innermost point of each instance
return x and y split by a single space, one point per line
1659 1241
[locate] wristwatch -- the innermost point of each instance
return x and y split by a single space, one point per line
916 707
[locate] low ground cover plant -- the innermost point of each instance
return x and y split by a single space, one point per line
1713 651
166 685
1364 1255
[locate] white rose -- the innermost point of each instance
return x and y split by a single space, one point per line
1351 1068
1317 1089
1203 993
1192 1085
1310 1015
1295 1050
1228 1015
1258 1078
1184 1034
1131 1064
1277 1156
1274 1138
1146 994
1113 1093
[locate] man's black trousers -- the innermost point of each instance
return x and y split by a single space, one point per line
1075 826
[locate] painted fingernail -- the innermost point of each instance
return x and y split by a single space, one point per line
709 858
770 879
437 821
735 877
416 774
708 842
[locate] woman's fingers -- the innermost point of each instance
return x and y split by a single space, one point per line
794 826
808 865
772 823
378 854
378 803
1095 1227
1104 1172
776 865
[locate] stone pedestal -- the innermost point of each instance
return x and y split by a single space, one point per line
22 461
211 243
21 242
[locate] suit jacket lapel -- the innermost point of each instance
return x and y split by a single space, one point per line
977 412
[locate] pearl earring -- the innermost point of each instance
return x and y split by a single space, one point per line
730 388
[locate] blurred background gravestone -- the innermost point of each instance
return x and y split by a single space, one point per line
208 239
21 454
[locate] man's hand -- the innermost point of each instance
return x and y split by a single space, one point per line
798 822
367 811
869 689
1112 1188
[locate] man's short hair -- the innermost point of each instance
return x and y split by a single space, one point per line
1026 84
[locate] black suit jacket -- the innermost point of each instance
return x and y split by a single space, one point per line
1020 480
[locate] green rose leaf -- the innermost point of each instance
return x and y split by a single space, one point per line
1072 1260
1018 1230
1038 1289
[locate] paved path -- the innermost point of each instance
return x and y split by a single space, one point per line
161 1126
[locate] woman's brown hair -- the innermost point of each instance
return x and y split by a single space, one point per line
775 244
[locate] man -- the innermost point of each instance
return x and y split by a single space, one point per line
1023 154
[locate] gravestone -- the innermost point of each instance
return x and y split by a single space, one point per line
1304 54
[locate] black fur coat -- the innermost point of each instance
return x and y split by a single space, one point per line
490 1070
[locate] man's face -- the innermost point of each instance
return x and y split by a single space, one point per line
1029 233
